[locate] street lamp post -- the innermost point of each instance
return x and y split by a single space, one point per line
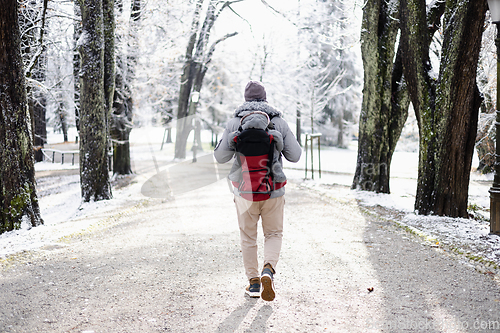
494 6
195 98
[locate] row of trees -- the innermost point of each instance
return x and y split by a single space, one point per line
397 41
297 68
102 103
81 41
426 55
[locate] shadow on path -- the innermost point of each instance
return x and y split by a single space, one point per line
260 320
234 320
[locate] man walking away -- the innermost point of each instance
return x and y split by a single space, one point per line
268 205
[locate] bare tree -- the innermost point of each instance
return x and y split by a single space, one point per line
18 199
197 57
32 21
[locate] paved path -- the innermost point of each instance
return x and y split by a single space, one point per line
175 266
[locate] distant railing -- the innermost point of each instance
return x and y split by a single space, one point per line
310 138
51 154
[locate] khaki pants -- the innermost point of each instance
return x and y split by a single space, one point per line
271 212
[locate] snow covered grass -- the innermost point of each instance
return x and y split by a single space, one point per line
64 213
468 237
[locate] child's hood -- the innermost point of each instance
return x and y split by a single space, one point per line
255 120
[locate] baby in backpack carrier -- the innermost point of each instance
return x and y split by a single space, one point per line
260 120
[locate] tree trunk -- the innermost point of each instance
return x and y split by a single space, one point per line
447 108
183 124
61 111
298 122
195 67
18 199
109 64
38 104
382 116
422 93
40 126
94 175
460 95
121 155
121 124
77 26
340 135
109 55
385 94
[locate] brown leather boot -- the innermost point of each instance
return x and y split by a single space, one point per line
253 290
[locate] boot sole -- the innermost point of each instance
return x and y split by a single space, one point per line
268 290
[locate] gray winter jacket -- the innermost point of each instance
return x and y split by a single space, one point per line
291 148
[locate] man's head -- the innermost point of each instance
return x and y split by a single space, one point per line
255 91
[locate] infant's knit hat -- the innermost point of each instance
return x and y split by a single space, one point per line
255 91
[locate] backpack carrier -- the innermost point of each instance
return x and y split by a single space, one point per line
255 154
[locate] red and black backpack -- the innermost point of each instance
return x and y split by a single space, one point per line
255 152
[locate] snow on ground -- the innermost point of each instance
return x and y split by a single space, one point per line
464 236
64 213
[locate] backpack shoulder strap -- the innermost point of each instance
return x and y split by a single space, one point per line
270 158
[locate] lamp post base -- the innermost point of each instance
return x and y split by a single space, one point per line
495 210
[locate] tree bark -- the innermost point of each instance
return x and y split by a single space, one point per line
121 120
447 107
385 94
109 64
385 103
94 175
77 26
18 199
109 55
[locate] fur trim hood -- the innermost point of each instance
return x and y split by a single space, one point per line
248 107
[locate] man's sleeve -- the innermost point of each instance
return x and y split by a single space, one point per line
222 152
291 148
